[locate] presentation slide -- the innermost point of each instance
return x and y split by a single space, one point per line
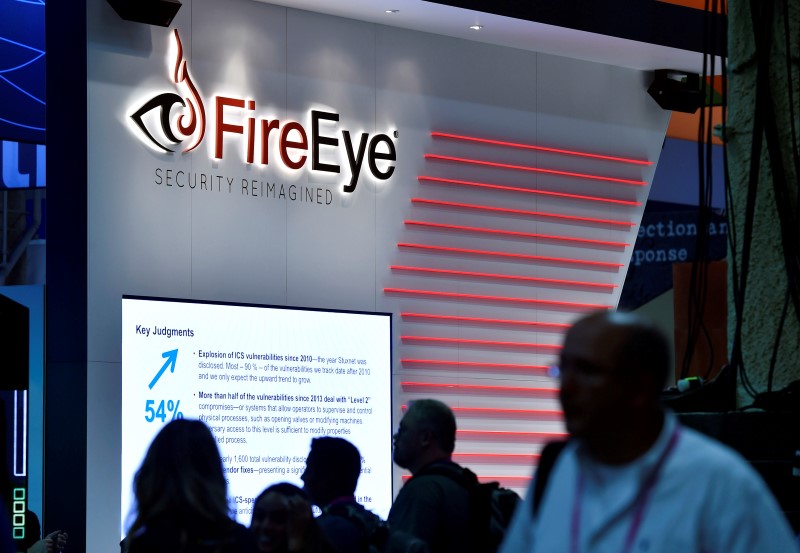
266 380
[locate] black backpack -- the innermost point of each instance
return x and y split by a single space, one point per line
376 535
547 460
491 506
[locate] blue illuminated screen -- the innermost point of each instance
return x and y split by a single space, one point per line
22 71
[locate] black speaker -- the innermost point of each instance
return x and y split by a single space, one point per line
14 344
152 12
676 90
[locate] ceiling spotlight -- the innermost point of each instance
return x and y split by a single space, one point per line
392 11
476 27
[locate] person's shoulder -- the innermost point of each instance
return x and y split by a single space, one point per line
231 538
697 448
443 472
243 539
342 517
430 488
345 525
351 510
240 531
733 496
708 460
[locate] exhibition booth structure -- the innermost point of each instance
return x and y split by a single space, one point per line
297 224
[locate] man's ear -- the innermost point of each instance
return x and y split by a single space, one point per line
426 437
643 392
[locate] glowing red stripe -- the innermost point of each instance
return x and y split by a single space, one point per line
509 254
495 411
541 148
529 191
535 169
516 233
506 478
482 320
479 388
521 457
512 433
436 339
509 412
494 298
524 212
499 276
473 364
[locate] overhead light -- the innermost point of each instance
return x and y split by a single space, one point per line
476 27
392 11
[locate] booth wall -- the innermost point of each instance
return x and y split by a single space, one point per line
150 239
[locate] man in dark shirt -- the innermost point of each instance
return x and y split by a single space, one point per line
431 506
332 469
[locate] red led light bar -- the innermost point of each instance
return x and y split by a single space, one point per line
533 413
516 233
507 478
482 320
510 434
509 254
502 457
509 412
524 212
479 388
465 341
457 295
540 148
473 364
528 190
534 169
503 277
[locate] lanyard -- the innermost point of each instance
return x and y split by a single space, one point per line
641 501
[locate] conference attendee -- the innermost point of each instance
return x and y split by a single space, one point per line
432 505
34 542
282 522
330 478
631 478
54 542
182 497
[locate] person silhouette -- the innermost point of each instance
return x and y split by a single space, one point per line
283 522
181 496
631 477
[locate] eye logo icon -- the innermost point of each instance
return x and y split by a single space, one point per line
190 124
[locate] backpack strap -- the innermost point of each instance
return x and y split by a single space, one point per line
547 460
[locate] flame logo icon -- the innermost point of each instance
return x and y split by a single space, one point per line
190 123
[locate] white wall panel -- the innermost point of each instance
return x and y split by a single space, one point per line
238 240
331 249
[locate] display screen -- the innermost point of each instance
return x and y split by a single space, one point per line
266 380
22 71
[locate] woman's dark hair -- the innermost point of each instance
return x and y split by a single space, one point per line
283 488
312 538
181 482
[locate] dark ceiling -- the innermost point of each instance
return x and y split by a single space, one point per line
648 21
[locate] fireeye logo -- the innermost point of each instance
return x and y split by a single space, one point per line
196 124
234 119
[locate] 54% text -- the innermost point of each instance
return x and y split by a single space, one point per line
165 408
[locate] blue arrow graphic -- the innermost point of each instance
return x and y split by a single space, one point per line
171 356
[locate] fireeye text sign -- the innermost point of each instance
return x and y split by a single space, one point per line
293 142
263 142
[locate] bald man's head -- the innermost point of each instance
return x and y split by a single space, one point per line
632 343
613 368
